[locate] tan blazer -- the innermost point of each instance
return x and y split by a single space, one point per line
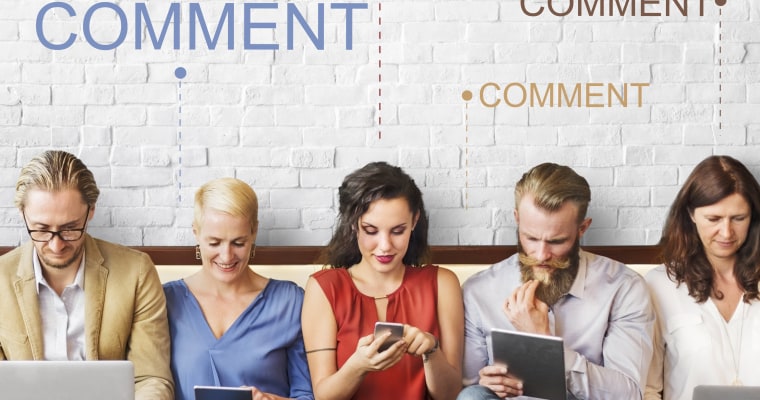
125 313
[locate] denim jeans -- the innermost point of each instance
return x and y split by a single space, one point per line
477 392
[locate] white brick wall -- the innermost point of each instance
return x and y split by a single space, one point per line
293 123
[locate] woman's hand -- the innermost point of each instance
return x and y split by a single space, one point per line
419 342
367 358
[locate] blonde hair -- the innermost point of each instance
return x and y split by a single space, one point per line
53 171
552 185
228 195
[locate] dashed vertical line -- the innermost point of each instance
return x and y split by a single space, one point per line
720 69
379 70
466 154
179 144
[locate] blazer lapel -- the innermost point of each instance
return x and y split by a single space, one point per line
28 300
95 277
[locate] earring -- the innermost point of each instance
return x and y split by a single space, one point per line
253 251
197 252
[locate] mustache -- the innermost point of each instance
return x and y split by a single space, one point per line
557 263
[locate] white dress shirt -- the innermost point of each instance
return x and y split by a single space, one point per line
62 316
606 321
694 345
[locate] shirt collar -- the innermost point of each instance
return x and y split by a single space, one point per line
40 279
579 284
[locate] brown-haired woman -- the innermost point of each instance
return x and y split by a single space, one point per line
377 274
706 293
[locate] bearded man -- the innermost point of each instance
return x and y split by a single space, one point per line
598 306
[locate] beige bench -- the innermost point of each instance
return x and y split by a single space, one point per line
300 273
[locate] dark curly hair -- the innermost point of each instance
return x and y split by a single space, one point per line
376 180
712 180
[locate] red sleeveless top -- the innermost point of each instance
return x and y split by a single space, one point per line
414 303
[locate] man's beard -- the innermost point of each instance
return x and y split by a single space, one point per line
74 258
556 284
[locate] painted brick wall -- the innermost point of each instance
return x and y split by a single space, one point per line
292 123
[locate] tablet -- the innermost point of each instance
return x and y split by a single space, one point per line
221 393
710 392
538 360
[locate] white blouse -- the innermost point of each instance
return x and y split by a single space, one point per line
694 345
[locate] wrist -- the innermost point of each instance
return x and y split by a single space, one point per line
436 346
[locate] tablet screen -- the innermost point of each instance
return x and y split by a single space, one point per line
538 360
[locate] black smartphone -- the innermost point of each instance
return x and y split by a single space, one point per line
396 330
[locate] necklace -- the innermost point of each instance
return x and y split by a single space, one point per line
735 358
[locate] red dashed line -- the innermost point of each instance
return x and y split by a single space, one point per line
380 71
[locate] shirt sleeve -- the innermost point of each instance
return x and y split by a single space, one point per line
626 351
149 343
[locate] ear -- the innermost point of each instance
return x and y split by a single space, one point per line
516 215
584 227
92 213
195 231
416 218
691 215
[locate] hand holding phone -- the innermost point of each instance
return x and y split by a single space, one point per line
396 330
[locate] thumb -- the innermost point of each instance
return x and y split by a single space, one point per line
366 340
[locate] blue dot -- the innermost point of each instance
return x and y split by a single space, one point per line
180 72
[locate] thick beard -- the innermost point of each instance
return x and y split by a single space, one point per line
555 285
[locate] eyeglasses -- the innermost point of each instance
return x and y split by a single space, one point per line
68 235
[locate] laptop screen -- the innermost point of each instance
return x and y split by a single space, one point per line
708 392
67 380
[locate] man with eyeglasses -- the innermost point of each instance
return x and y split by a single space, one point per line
68 296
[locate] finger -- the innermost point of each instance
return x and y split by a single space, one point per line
530 291
498 390
493 370
512 300
517 295
389 357
541 306
365 340
378 341
419 343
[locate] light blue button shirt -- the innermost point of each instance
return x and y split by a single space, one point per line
62 316
606 321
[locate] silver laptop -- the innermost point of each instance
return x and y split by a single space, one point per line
710 392
67 380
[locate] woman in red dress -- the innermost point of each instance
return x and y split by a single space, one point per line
375 274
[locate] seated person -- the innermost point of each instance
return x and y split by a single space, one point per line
68 296
229 325
598 306
706 293
377 275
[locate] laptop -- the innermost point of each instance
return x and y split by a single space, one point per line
714 392
67 380
538 360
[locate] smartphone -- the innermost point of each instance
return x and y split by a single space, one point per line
396 330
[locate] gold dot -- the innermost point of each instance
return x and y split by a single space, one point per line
467 95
